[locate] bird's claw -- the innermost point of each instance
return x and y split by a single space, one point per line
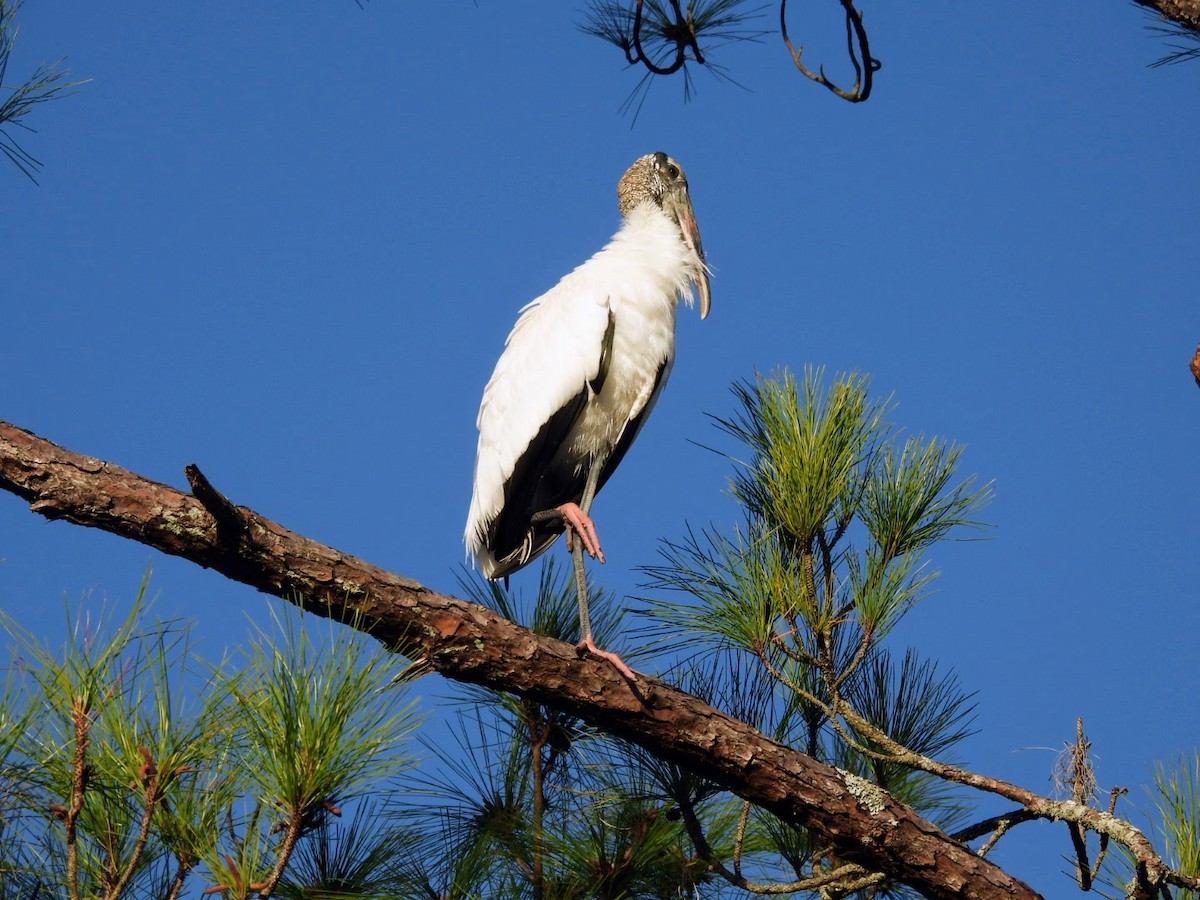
579 523
588 646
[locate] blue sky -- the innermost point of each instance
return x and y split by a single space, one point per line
286 243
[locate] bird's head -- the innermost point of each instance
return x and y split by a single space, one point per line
658 179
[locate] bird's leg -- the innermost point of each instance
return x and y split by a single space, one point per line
585 625
585 505
585 622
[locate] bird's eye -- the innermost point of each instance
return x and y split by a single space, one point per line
673 171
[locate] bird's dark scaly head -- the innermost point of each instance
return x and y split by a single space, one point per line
658 179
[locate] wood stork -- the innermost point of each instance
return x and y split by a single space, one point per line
579 374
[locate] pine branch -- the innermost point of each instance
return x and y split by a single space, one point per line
468 643
47 82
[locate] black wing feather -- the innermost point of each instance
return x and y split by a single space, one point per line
625 441
539 483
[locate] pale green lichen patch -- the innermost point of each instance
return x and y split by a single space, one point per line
190 520
872 796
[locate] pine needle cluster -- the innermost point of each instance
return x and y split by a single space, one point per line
839 512
48 82
130 769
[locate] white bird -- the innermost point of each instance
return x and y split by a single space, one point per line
580 372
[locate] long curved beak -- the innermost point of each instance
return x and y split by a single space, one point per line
681 205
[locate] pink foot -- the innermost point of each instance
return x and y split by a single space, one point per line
579 523
591 648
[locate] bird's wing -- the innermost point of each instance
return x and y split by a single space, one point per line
637 418
553 359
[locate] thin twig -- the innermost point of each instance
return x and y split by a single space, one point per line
680 44
1001 827
1083 868
294 825
859 49
152 792
1082 779
1116 793
177 882
682 31
801 692
78 786
864 646
538 730
1152 871
987 826
740 838
849 876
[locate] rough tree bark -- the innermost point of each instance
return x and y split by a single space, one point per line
467 642
1182 12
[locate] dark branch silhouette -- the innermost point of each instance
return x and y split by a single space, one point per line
857 47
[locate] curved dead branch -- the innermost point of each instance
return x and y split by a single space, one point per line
682 32
662 36
858 48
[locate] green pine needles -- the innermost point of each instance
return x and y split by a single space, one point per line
1176 797
839 512
533 803
130 769
17 101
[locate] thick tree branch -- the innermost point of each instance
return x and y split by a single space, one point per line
466 642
